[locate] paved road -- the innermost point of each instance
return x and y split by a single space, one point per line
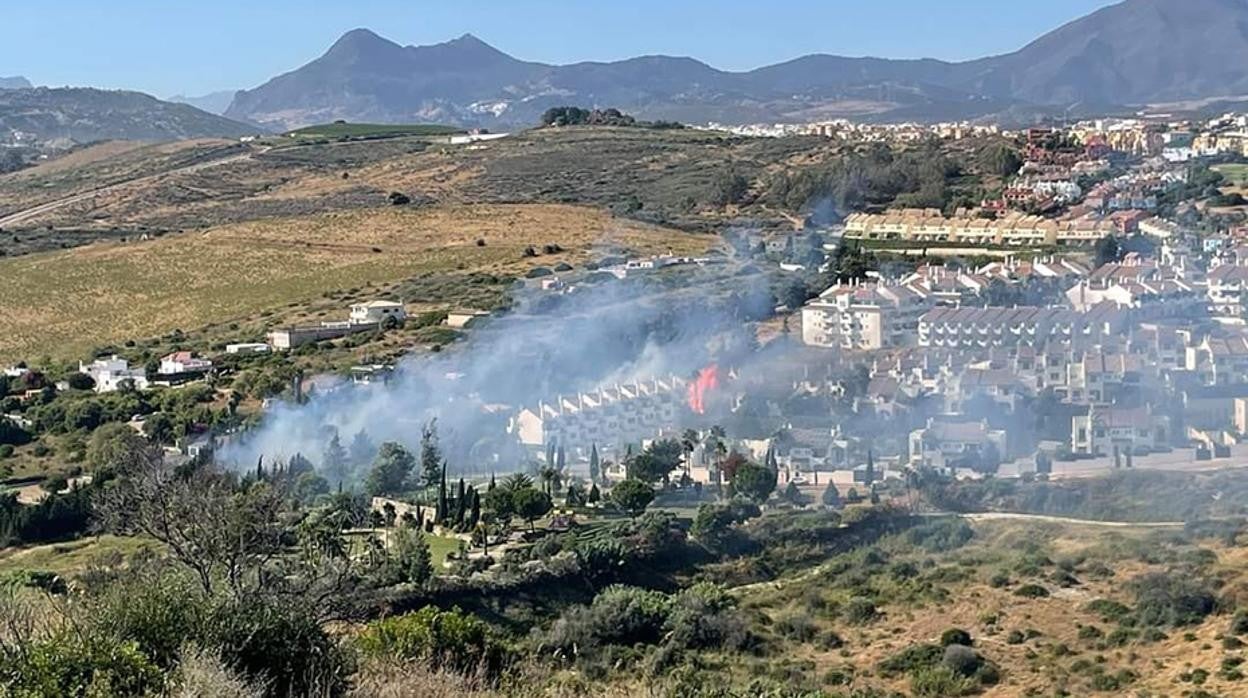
34 212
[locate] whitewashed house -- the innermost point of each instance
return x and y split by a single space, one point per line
109 374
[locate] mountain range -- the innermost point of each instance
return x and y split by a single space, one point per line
83 114
16 82
1136 52
213 102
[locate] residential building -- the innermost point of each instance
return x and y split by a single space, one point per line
460 319
247 348
1009 327
1102 431
112 373
1015 229
376 312
863 317
183 362
607 417
953 441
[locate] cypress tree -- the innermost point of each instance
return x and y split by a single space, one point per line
474 517
460 503
440 514
595 466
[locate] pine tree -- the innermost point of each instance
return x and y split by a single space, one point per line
362 449
595 466
432 465
334 460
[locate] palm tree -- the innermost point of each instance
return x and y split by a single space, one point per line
550 476
516 481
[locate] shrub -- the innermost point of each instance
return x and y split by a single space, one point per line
860 611
961 660
1164 598
1015 637
911 659
956 636
68 664
1239 623
1031 591
451 640
939 682
1108 609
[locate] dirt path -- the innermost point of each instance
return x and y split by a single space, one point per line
34 212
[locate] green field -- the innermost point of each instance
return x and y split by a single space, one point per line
1236 174
345 130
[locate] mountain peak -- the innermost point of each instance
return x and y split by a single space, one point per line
361 43
16 82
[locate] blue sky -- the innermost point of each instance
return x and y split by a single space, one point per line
170 46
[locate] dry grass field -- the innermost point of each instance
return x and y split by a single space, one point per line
61 304
1057 644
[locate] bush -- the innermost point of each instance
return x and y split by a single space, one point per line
956 636
940 682
451 640
1171 599
911 659
961 660
860 611
1031 591
1109 610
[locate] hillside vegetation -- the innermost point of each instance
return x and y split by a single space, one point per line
65 303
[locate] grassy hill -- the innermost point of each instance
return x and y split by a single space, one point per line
64 303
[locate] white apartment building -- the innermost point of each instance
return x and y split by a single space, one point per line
608 417
110 373
863 317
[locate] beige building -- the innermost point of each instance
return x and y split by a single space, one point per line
1015 229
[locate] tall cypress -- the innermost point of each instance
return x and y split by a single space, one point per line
441 512
595 466
474 516
460 503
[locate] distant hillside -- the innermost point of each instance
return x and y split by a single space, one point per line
1135 52
213 102
16 82
83 115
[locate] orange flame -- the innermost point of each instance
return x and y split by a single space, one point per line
706 381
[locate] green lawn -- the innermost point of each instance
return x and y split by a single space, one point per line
71 557
340 130
1236 174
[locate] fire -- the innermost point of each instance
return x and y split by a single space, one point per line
706 381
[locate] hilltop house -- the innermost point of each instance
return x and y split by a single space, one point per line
180 362
111 373
375 312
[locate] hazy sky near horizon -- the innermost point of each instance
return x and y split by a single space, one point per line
166 47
